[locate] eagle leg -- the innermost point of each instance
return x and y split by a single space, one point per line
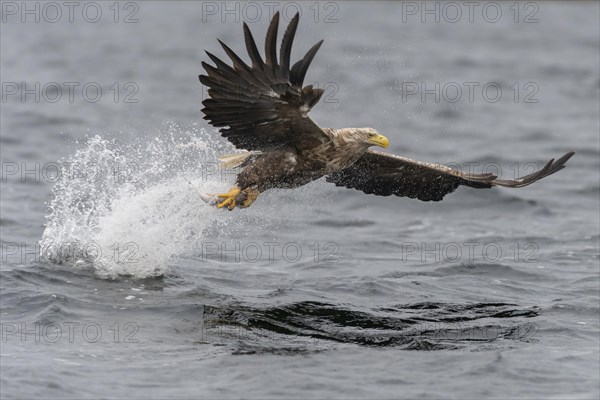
247 197
229 198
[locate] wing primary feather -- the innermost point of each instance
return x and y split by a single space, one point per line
241 67
286 47
299 69
257 61
221 65
225 69
271 44
216 74
238 63
550 168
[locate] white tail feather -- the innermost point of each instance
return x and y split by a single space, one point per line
235 160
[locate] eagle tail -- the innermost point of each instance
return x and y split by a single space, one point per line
231 161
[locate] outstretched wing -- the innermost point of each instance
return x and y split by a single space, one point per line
385 174
263 106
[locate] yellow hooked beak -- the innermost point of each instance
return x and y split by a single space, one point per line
380 140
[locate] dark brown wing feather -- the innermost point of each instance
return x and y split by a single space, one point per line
385 174
263 106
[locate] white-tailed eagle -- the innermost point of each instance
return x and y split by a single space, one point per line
263 108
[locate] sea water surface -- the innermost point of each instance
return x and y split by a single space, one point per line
117 281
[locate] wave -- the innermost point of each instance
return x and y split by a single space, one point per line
423 326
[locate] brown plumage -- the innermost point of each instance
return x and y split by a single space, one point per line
263 108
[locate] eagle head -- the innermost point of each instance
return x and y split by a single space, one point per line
364 136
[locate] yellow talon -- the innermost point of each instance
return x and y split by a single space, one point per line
229 198
227 202
237 197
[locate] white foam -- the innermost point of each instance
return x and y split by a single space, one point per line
127 210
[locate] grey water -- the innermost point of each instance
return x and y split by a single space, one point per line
118 281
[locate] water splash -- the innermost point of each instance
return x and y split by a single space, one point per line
128 209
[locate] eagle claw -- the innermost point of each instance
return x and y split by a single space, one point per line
237 197
228 199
